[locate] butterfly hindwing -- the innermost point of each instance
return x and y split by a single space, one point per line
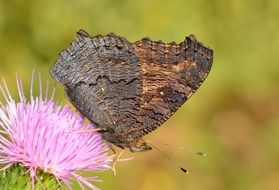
171 74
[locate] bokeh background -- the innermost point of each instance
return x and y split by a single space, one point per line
233 117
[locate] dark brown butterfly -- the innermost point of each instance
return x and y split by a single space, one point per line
130 89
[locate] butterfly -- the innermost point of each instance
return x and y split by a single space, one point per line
129 89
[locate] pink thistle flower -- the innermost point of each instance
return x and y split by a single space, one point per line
41 135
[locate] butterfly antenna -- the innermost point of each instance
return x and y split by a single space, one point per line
199 153
169 158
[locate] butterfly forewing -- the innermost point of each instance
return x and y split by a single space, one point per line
102 79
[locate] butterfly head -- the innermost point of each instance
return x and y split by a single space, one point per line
139 145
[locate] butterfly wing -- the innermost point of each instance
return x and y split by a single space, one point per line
171 74
101 75
129 89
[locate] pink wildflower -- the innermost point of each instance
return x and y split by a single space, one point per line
41 135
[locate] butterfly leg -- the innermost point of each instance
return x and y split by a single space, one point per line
111 147
115 160
87 130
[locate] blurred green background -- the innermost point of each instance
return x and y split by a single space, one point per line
233 117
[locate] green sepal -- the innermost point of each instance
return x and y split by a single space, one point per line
17 177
